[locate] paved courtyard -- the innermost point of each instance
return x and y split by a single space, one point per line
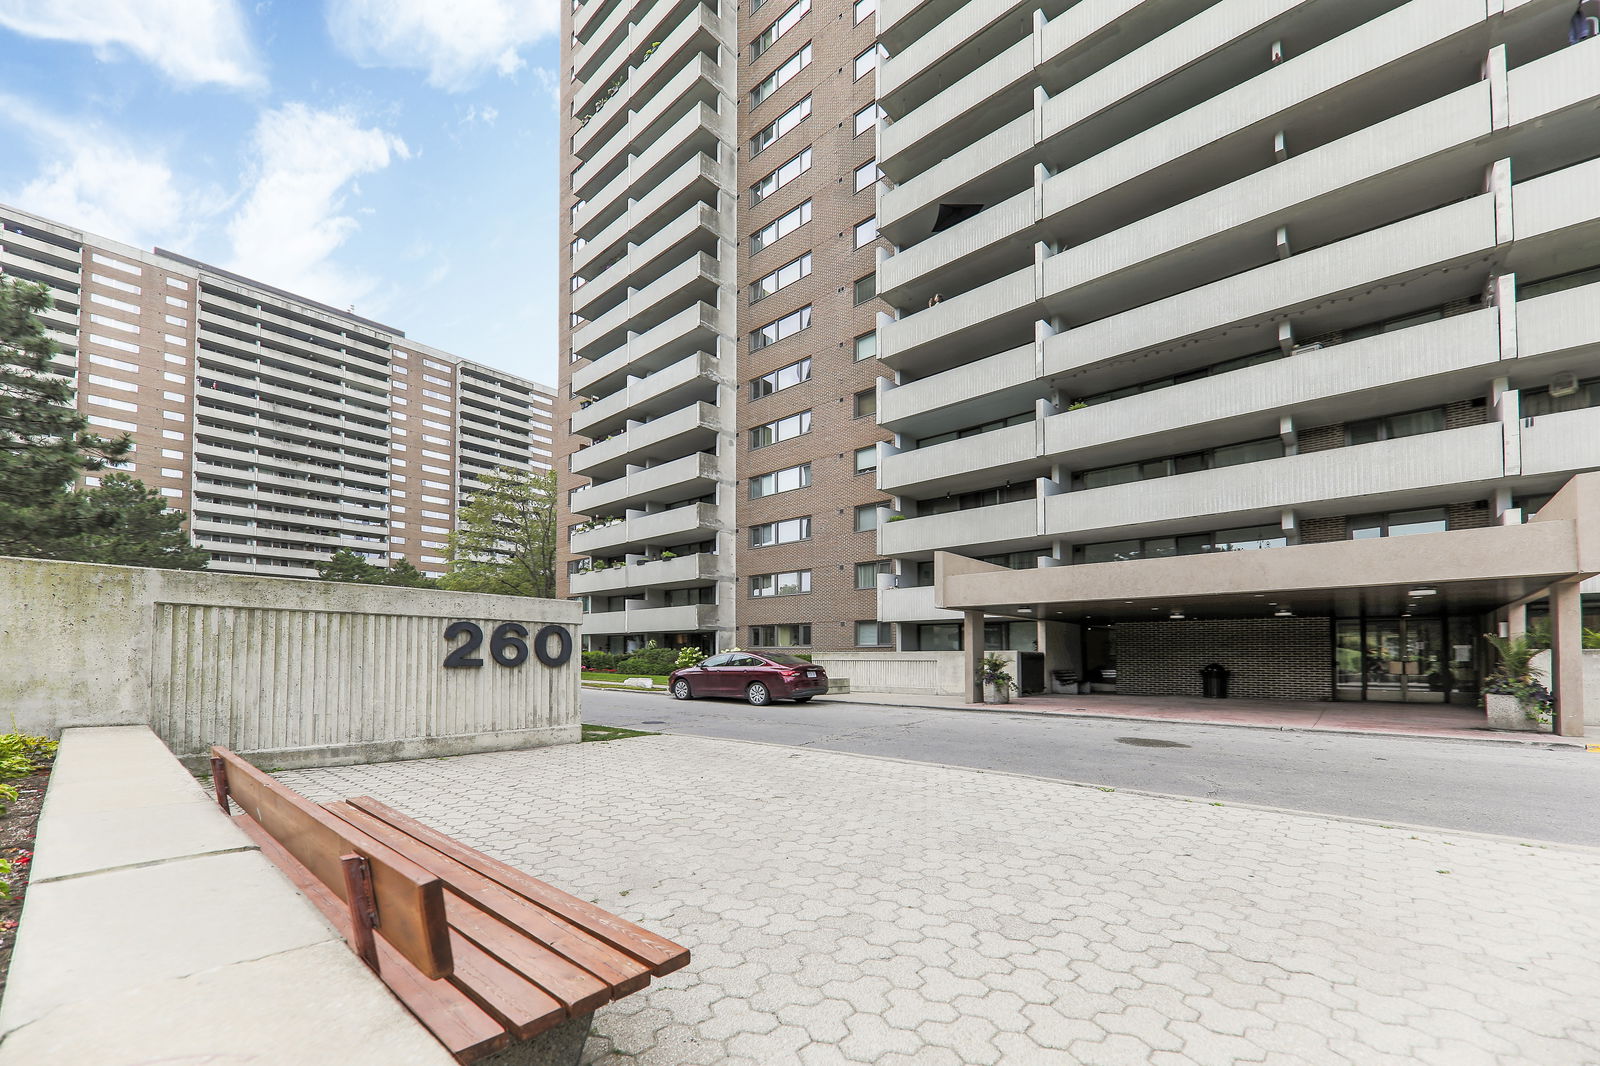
845 908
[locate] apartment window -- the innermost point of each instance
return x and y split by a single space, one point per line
867 517
866 288
780 26
866 232
867 574
783 277
967 501
1230 455
874 634
1400 523
867 346
973 431
1394 426
1246 538
781 430
867 117
866 459
780 379
867 174
867 62
780 329
781 177
1542 401
781 77
781 636
787 583
865 9
780 126
866 403
785 480
787 531
780 227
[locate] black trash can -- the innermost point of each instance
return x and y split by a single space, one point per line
1214 678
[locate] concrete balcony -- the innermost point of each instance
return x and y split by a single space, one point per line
686 381
912 605
248 371
698 180
998 89
34 250
682 572
963 254
1562 443
38 268
979 529
1409 367
690 618
970 394
1431 468
1005 147
591 14
947 333
1561 323
598 43
687 478
662 528
692 281
926 50
691 330
1247 304
699 229
700 82
1009 454
697 130
689 429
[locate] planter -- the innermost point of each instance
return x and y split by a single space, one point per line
1506 712
993 693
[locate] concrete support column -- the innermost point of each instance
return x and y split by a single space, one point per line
1566 647
1516 621
972 645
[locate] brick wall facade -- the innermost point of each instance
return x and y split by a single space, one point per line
1271 658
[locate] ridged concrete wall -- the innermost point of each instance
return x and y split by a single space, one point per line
293 672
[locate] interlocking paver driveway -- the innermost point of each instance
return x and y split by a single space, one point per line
851 909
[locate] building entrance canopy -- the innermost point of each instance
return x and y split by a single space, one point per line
1475 571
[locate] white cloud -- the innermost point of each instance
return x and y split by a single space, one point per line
93 178
292 220
194 42
454 42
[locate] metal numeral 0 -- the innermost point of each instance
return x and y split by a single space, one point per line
507 644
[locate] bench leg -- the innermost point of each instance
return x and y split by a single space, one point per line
561 1046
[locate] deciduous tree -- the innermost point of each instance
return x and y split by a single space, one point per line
505 538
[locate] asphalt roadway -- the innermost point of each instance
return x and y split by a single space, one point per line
1511 790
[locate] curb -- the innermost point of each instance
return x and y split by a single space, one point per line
1557 744
1588 849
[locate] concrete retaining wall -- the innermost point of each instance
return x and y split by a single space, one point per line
155 931
292 672
915 673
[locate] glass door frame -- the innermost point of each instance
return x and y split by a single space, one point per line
1442 684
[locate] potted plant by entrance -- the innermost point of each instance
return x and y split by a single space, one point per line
1514 697
996 681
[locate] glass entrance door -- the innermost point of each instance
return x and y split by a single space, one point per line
1404 660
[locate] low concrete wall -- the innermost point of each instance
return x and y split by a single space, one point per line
155 931
912 673
291 672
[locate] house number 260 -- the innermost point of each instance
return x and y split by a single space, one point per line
508 645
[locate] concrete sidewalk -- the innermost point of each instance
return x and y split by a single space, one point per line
1378 719
846 908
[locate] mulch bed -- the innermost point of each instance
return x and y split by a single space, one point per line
16 847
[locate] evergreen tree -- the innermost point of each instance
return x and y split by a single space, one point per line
403 574
505 538
346 565
44 442
144 531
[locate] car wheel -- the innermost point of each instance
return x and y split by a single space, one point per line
758 694
680 690
802 699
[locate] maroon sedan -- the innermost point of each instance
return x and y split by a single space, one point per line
759 678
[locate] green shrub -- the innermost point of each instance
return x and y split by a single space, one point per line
600 660
20 756
651 659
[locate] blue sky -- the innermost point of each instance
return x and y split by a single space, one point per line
395 155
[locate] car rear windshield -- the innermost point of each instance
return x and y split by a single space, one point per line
785 660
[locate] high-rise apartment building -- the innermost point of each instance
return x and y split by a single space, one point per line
718 384
1236 326
287 429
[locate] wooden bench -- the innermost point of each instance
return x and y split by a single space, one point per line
494 962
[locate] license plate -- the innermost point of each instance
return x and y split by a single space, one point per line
811 673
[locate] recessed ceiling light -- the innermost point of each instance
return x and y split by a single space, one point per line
1283 612
1424 591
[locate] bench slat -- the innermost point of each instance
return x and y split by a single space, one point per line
459 1024
578 990
410 900
660 954
621 971
519 1004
